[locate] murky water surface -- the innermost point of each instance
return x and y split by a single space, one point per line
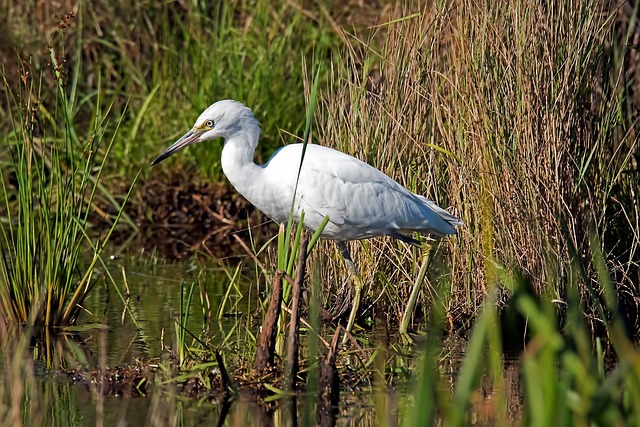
143 328
145 324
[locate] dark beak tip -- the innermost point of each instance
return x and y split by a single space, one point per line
161 158
188 138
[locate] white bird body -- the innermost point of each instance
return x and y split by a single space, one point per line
361 201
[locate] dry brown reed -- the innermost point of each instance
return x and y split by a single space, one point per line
501 111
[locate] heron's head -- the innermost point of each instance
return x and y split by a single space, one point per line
224 119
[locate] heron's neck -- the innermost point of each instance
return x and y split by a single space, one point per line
237 160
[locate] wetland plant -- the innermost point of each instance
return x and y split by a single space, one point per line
565 376
48 249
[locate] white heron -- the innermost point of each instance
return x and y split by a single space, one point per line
361 201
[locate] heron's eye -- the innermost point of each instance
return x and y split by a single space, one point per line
209 123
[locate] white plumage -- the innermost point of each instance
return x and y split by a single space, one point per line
361 201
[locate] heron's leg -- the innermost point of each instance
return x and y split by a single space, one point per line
408 311
357 286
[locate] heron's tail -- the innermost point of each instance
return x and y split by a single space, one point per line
451 219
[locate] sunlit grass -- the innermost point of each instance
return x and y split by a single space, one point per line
513 114
489 113
169 61
49 209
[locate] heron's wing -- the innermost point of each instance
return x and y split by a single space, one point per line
359 199
350 191
330 181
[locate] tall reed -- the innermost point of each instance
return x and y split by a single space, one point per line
502 112
49 251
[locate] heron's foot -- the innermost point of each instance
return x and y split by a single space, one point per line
414 338
406 339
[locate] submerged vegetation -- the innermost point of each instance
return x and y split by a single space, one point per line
519 116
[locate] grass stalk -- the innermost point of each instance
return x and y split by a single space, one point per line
48 223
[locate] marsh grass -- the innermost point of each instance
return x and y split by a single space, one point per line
49 208
563 375
484 110
168 61
516 115
513 117
184 308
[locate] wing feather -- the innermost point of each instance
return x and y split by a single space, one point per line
360 200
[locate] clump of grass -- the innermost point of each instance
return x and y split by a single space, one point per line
49 205
502 113
168 61
181 323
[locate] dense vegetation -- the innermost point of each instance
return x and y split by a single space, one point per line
520 117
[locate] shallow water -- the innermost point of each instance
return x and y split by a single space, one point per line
153 305
153 301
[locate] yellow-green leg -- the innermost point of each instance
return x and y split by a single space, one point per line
357 287
408 311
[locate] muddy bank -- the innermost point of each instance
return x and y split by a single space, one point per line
180 217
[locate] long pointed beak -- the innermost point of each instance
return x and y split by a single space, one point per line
187 139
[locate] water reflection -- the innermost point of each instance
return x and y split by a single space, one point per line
145 327
113 336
